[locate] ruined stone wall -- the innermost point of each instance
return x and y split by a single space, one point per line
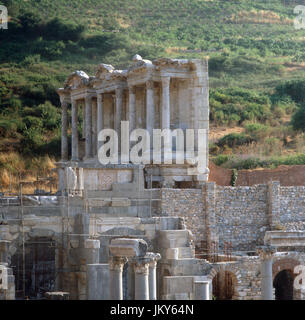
187 204
241 215
292 204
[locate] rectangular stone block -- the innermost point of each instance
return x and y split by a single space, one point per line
120 202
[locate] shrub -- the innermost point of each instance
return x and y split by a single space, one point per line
234 139
298 119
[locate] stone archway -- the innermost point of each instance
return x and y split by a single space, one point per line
225 281
283 284
283 277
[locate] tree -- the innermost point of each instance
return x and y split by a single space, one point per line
298 118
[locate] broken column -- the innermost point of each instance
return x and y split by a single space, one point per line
202 290
265 253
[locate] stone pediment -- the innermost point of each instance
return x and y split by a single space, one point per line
140 65
103 69
173 63
77 79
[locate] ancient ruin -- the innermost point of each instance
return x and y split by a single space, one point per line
147 231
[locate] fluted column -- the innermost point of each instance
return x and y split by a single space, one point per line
266 253
165 103
88 143
116 265
64 130
150 112
132 108
74 130
141 279
100 114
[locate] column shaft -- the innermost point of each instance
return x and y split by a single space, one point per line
153 280
74 130
100 113
64 133
130 282
165 103
118 109
132 108
94 128
116 265
150 114
88 144
267 283
141 281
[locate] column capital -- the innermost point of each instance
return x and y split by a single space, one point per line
119 90
141 266
88 98
266 252
150 84
132 89
117 263
153 258
165 81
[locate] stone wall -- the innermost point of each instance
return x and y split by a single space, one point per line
187 204
241 215
292 208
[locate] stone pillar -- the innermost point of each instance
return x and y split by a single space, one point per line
64 131
165 103
130 281
132 108
141 279
150 112
74 130
88 144
274 204
100 113
94 128
116 265
118 109
202 290
265 253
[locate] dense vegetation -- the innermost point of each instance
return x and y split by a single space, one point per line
256 67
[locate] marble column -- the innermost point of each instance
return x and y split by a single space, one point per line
153 258
64 130
202 290
118 109
100 114
130 281
94 128
165 103
132 108
265 253
88 144
74 130
150 112
116 265
141 268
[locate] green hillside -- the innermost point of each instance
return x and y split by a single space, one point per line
256 67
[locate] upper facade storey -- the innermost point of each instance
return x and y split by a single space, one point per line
108 79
